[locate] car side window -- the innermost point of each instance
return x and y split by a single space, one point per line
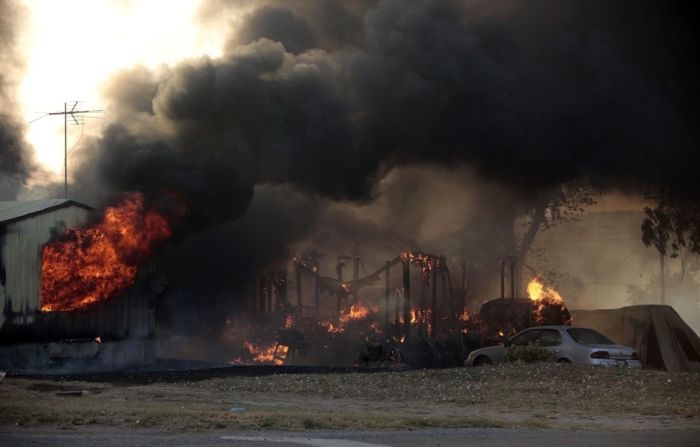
549 337
525 338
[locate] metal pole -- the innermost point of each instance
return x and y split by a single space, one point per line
299 279
65 150
662 273
407 299
503 278
317 298
433 325
387 291
512 278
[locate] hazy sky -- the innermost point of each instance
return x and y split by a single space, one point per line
72 47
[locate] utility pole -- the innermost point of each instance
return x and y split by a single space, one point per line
662 276
72 112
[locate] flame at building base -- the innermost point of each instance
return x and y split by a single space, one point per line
95 263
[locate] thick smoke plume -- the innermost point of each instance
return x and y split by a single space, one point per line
325 98
529 94
14 158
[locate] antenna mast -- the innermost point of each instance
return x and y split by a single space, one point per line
72 112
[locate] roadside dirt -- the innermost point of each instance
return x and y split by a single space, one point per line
511 395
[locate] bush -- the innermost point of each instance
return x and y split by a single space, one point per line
528 354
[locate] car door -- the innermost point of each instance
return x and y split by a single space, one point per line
550 339
525 337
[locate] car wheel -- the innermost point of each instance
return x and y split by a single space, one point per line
563 360
481 361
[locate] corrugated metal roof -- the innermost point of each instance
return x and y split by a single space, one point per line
17 210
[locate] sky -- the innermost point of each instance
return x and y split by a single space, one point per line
73 47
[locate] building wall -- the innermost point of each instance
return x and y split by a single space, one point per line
32 339
20 251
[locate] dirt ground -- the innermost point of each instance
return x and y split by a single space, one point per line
545 395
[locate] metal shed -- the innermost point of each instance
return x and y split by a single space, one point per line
112 333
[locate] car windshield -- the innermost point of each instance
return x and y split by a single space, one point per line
589 337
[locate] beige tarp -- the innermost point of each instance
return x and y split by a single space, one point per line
659 334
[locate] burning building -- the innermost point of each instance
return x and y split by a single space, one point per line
60 308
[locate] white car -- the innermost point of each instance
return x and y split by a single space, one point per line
568 344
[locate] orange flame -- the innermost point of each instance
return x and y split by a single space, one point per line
98 262
272 353
356 312
537 291
543 297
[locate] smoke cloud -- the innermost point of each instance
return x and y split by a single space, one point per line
15 162
326 98
530 95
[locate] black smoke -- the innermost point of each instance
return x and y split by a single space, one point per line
531 94
327 97
15 165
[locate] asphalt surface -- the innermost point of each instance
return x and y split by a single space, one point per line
477 437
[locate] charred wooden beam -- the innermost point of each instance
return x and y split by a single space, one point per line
387 291
407 299
317 297
299 301
503 278
282 303
433 314
512 278
261 295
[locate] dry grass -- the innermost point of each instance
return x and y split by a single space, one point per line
529 395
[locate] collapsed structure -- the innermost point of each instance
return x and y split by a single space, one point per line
112 333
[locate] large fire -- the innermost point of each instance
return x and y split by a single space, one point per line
549 305
537 291
98 262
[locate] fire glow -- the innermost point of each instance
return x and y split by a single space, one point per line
95 263
537 291
272 353
545 298
357 311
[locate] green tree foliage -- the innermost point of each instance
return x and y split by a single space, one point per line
671 226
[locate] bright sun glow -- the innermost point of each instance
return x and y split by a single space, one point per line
73 46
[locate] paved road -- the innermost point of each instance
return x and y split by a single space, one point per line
108 437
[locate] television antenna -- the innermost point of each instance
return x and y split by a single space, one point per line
73 114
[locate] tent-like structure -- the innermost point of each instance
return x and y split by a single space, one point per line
660 336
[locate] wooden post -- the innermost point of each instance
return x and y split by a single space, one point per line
512 278
261 295
317 299
464 286
269 292
282 303
407 300
433 323
397 313
387 291
355 276
503 278
299 301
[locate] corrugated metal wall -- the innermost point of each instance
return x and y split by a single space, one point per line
30 338
21 256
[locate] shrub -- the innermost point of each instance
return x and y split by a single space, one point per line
529 354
